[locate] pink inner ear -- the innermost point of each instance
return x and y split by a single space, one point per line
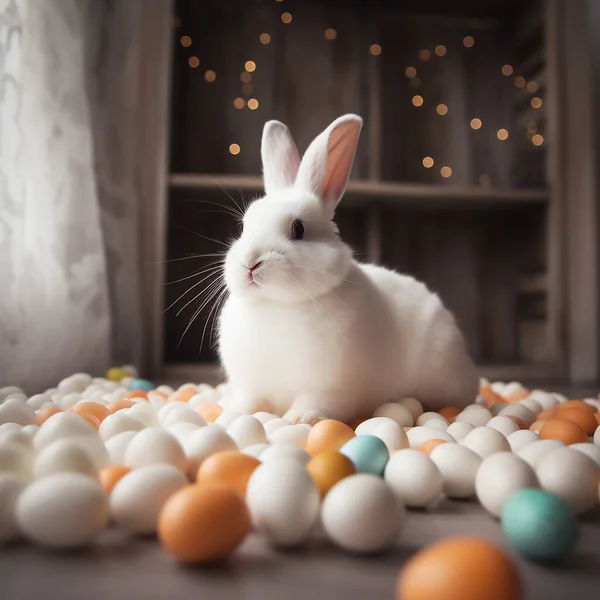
340 156
291 162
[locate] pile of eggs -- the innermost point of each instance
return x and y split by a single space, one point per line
119 452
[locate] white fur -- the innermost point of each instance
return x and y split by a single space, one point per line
313 333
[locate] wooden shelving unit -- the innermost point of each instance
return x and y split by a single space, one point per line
507 241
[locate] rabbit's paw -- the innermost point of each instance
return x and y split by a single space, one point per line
308 416
248 404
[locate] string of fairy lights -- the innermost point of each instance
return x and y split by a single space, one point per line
414 75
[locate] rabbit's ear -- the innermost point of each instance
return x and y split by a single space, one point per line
326 165
280 157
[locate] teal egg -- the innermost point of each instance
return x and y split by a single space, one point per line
368 453
141 384
539 525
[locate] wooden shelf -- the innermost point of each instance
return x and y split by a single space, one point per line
357 191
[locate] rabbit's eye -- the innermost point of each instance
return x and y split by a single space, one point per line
297 230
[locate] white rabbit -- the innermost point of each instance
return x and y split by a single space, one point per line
308 331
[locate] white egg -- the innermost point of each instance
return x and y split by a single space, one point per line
182 431
203 443
21 397
183 414
597 436
18 437
274 424
392 435
430 416
560 398
64 456
131 370
31 430
155 446
115 396
498 387
264 417
144 412
227 417
38 401
422 433
398 412
476 415
520 411
588 449
572 476
499 476
156 401
511 388
246 430
7 428
370 425
62 425
414 406
414 477
503 424
138 497
167 389
519 439
16 458
533 454
68 401
293 434
283 501
75 383
207 395
285 451
117 445
164 411
118 423
62 511
458 466
11 486
18 411
255 450
485 441
459 430
531 404
5 392
361 513
438 424
544 399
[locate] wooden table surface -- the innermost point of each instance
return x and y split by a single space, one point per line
120 568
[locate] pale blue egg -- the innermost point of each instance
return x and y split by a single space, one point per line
141 384
368 453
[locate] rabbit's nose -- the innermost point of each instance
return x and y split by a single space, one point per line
255 266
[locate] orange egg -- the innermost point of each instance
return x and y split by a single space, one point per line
209 410
329 467
118 405
183 394
110 476
136 394
545 415
230 467
584 418
428 446
490 397
537 425
328 435
98 410
203 523
575 404
460 569
45 413
159 393
93 420
450 413
563 430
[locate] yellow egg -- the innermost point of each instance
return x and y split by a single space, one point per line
203 522
327 468
230 467
116 374
328 435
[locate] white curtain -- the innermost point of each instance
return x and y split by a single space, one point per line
69 289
